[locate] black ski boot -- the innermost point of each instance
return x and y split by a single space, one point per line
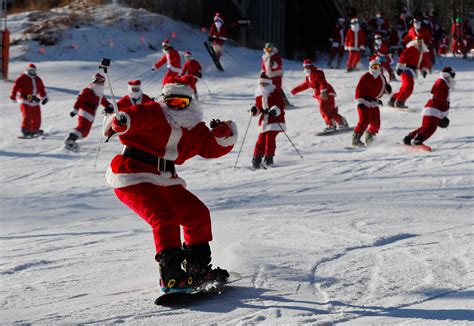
172 277
369 138
26 133
257 162
407 140
198 265
356 142
400 105
268 161
70 142
391 102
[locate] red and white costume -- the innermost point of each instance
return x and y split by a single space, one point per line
317 81
382 52
135 96
171 59
219 34
422 32
272 66
412 59
156 194
193 68
337 41
459 38
355 43
30 91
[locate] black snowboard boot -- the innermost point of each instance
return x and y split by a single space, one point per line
26 133
268 160
369 138
391 102
400 105
198 265
172 276
356 142
257 162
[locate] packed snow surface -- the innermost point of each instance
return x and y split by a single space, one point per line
375 237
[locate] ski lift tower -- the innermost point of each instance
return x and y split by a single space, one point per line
4 39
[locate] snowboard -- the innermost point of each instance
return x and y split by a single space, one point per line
33 136
417 148
213 55
334 132
209 289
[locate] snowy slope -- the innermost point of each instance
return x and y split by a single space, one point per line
379 237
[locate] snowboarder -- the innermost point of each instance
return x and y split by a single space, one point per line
135 96
172 60
31 93
85 107
355 43
413 59
435 112
269 104
324 94
272 67
371 87
193 68
158 135
217 35
337 42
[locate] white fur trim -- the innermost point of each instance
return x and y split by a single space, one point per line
277 109
23 101
272 127
86 115
229 141
351 48
434 112
366 103
173 68
121 180
335 44
275 73
177 89
76 132
171 149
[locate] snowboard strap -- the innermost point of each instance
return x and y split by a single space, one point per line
160 163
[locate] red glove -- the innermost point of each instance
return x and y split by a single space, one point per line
221 129
119 124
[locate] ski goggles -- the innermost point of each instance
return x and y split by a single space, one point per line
177 101
375 66
135 89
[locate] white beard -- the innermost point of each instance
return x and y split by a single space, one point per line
187 118
97 89
135 95
218 26
355 28
265 92
375 73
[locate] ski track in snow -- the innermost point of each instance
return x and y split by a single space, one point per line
376 237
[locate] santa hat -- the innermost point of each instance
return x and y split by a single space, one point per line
187 54
98 79
377 35
355 20
374 60
165 43
31 66
341 20
379 14
134 83
264 79
218 16
180 86
448 72
307 63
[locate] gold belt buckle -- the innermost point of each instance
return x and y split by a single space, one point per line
29 97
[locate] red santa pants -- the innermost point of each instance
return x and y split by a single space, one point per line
84 125
266 144
169 73
339 50
31 117
458 45
165 209
406 89
329 112
428 127
353 60
368 117
277 81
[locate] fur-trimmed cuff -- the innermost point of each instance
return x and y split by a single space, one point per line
400 66
230 140
277 109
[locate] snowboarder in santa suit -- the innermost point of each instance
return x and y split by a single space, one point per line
217 35
435 112
355 43
337 42
269 104
135 96
414 58
31 92
272 67
324 93
193 68
157 136
85 108
172 60
371 87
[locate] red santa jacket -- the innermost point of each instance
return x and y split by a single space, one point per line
149 130
383 53
317 81
192 68
457 31
272 65
220 35
423 32
172 60
268 122
355 41
127 101
337 36
438 104
31 89
370 89
413 59
87 102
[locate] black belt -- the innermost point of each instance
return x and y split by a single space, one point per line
160 163
30 97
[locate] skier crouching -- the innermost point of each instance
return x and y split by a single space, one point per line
158 135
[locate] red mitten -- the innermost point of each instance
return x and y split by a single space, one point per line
120 123
222 129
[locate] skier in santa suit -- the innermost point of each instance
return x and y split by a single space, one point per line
371 87
269 104
135 96
337 42
31 92
272 67
193 68
85 107
172 60
435 113
217 34
382 52
355 43
416 31
414 58
324 94
157 136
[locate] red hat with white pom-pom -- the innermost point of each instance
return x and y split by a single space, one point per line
180 86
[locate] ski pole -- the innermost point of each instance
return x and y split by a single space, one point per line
100 140
204 83
104 64
243 140
290 140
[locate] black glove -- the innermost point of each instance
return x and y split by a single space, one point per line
273 112
443 123
210 38
122 119
388 88
44 101
399 72
72 114
199 74
424 73
214 123
254 110
380 102
265 111
109 110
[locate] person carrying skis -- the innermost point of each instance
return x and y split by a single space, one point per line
371 87
413 59
32 93
135 96
337 42
324 93
85 108
217 35
193 68
172 60
355 43
157 136
269 104
435 112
